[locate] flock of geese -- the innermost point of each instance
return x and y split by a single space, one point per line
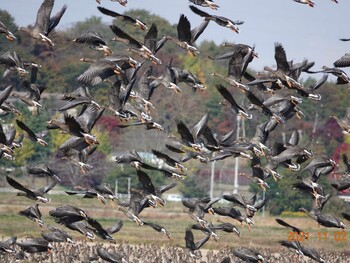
274 96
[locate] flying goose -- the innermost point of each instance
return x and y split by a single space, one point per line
7 245
13 64
158 228
37 195
36 245
234 106
105 233
126 18
293 228
55 234
33 213
306 2
192 248
35 137
8 34
342 62
44 24
312 253
198 207
152 193
136 46
248 255
206 3
95 41
220 20
109 256
185 36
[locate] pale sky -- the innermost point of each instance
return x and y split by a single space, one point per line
305 32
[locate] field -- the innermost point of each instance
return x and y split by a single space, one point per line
264 234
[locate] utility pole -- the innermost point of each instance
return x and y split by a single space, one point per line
116 187
263 208
129 194
235 183
212 175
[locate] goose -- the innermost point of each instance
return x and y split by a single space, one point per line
342 77
134 207
239 58
206 3
105 233
134 21
7 245
86 193
31 135
37 195
8 34
220 20
170 160
198 207
293 228
226 227
33 213
233 213
343 124
208 229
234 106
106 191
55 234
43 169
320 165
82 95
95 41
99 71
134 45
109 256
69 215
152 193
306 2
44 23
312 253
7 142
293 246
167 80
158 228
36 245
248 255
121 2
341 186
342 62
250 205
324 219
13 64
192 248
80 226
77 151
132 158
185 36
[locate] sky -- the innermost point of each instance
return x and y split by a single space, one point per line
305 32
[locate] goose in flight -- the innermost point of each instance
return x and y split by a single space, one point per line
44 23
121 2
134 21
185 36
305 2
220 20
95 41
206 3
8 34
37 195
